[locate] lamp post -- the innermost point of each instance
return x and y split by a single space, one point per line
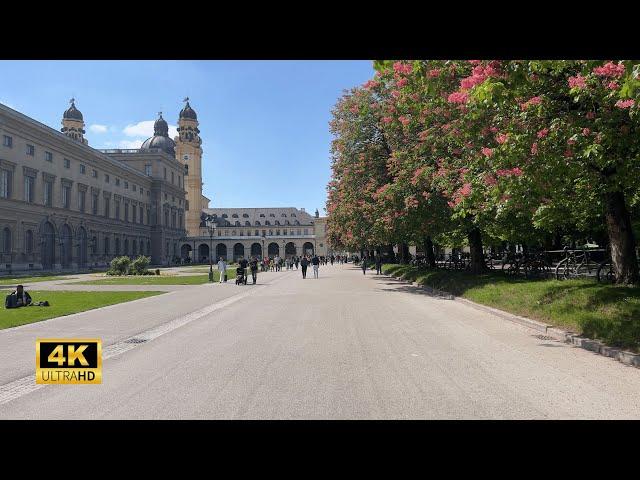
211 227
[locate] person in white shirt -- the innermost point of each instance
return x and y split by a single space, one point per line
222 268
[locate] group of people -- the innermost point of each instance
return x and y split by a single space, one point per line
366 261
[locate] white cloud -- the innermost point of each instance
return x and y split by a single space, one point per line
145 129
95 128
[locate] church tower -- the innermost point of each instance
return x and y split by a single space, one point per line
189 153
73 123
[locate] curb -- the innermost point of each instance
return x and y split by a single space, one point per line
596 346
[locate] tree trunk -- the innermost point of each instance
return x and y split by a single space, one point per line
623 244
477 255
403 253
428 251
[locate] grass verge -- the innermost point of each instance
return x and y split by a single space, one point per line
609 313
157 280
24 280
65 303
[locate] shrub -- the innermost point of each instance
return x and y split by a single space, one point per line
119 266
139 265
157 271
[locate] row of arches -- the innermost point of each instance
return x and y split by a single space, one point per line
239 251
62 246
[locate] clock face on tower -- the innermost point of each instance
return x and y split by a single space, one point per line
186 157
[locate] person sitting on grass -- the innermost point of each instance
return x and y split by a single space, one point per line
19 298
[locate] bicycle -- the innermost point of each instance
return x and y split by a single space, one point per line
536 266
577 263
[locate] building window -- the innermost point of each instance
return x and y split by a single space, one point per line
134 186
141 215
306 231
83 169
94 203
278 231
166 218
180 224
126 212
66 195
133 213
171 178
94 173
264 233
7 141
126 185
107 207
28 241
81 200
284 232
141 192
173 220
118 210
106 245
48 156
6 240
106 178
299 232
117 182
31 150
5 184
165 173
48 193
147 170
67 163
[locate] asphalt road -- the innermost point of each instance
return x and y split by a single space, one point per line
344 346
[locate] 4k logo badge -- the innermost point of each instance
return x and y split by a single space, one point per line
68 360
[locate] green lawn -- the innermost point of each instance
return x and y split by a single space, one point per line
158 280
606 312
24 280
65 303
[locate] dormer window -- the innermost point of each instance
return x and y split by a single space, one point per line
224 215
235 215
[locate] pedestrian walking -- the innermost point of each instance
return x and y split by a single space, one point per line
304 263
379 264
222 268
297 262
315 261
364 265
253 264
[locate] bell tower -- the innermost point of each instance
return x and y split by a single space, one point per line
73 123
189 154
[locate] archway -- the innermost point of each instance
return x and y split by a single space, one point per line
307 248
238 251
203 253
256 250
82 247
185 251
290 250
65 246
221 251
48 251
273 249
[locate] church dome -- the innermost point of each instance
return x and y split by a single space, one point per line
188 112
72 112
160 138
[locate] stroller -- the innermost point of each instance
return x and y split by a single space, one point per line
241 277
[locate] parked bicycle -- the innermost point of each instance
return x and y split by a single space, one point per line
577 263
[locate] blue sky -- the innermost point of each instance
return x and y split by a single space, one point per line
264 124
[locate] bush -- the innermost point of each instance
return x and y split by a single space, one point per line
139 265
119 266
157 271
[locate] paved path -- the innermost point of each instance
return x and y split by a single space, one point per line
343 346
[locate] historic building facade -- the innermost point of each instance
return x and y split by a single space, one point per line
256 232
67 206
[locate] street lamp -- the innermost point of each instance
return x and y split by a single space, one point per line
211 227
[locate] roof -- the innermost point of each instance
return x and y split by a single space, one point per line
281 214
